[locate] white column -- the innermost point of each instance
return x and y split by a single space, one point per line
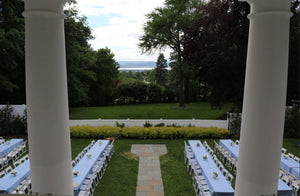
46 93
264 98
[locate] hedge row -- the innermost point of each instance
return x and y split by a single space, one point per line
148 133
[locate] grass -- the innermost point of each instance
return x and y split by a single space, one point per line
200 110
120 177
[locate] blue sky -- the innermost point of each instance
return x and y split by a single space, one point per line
117 24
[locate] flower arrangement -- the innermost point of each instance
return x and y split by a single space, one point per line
14 173
100 142
232 143
286 156
204 157
198 144
215 175
8 141
89 155
75 173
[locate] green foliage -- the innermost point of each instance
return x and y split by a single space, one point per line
147 124
12 66
140 92
121 125
165 28
159 125
154 93
292 122
106 71
161 72
148 132
10 123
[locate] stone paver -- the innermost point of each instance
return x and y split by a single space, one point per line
149 176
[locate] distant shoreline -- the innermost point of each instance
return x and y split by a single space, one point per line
138 68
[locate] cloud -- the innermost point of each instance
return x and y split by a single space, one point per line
124 28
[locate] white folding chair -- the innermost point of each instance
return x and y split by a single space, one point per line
295 186
283 150
237 142
291 155
2 173
8 169
229 177
285 179
17 163
297 159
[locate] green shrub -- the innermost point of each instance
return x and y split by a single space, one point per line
122 125
159 125
10 123
148 132
292 122
147 124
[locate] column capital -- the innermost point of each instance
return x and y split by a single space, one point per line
49 6
260 6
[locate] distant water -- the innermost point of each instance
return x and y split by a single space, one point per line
136 65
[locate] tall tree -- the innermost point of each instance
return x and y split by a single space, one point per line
106 72
293 72
216 46
164 28
161 71
12 66
80 58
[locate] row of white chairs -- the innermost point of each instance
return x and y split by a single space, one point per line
5 171
17 152
200 184
224 171
82 153
13 155
93 179
3 162
21 160
24 187
226 158
283 150
290 180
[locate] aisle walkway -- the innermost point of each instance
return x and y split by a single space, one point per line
149 176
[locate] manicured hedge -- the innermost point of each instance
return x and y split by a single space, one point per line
148 133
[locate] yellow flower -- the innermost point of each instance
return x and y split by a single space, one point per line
204 157
75 173
286 156
198 144
215 174
100 142
14 172
89 155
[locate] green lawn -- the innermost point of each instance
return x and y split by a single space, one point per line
150 111
120 177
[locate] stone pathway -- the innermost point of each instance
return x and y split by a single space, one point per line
149 177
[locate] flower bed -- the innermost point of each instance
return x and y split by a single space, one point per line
148 133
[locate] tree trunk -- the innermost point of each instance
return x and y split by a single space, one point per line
180 78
